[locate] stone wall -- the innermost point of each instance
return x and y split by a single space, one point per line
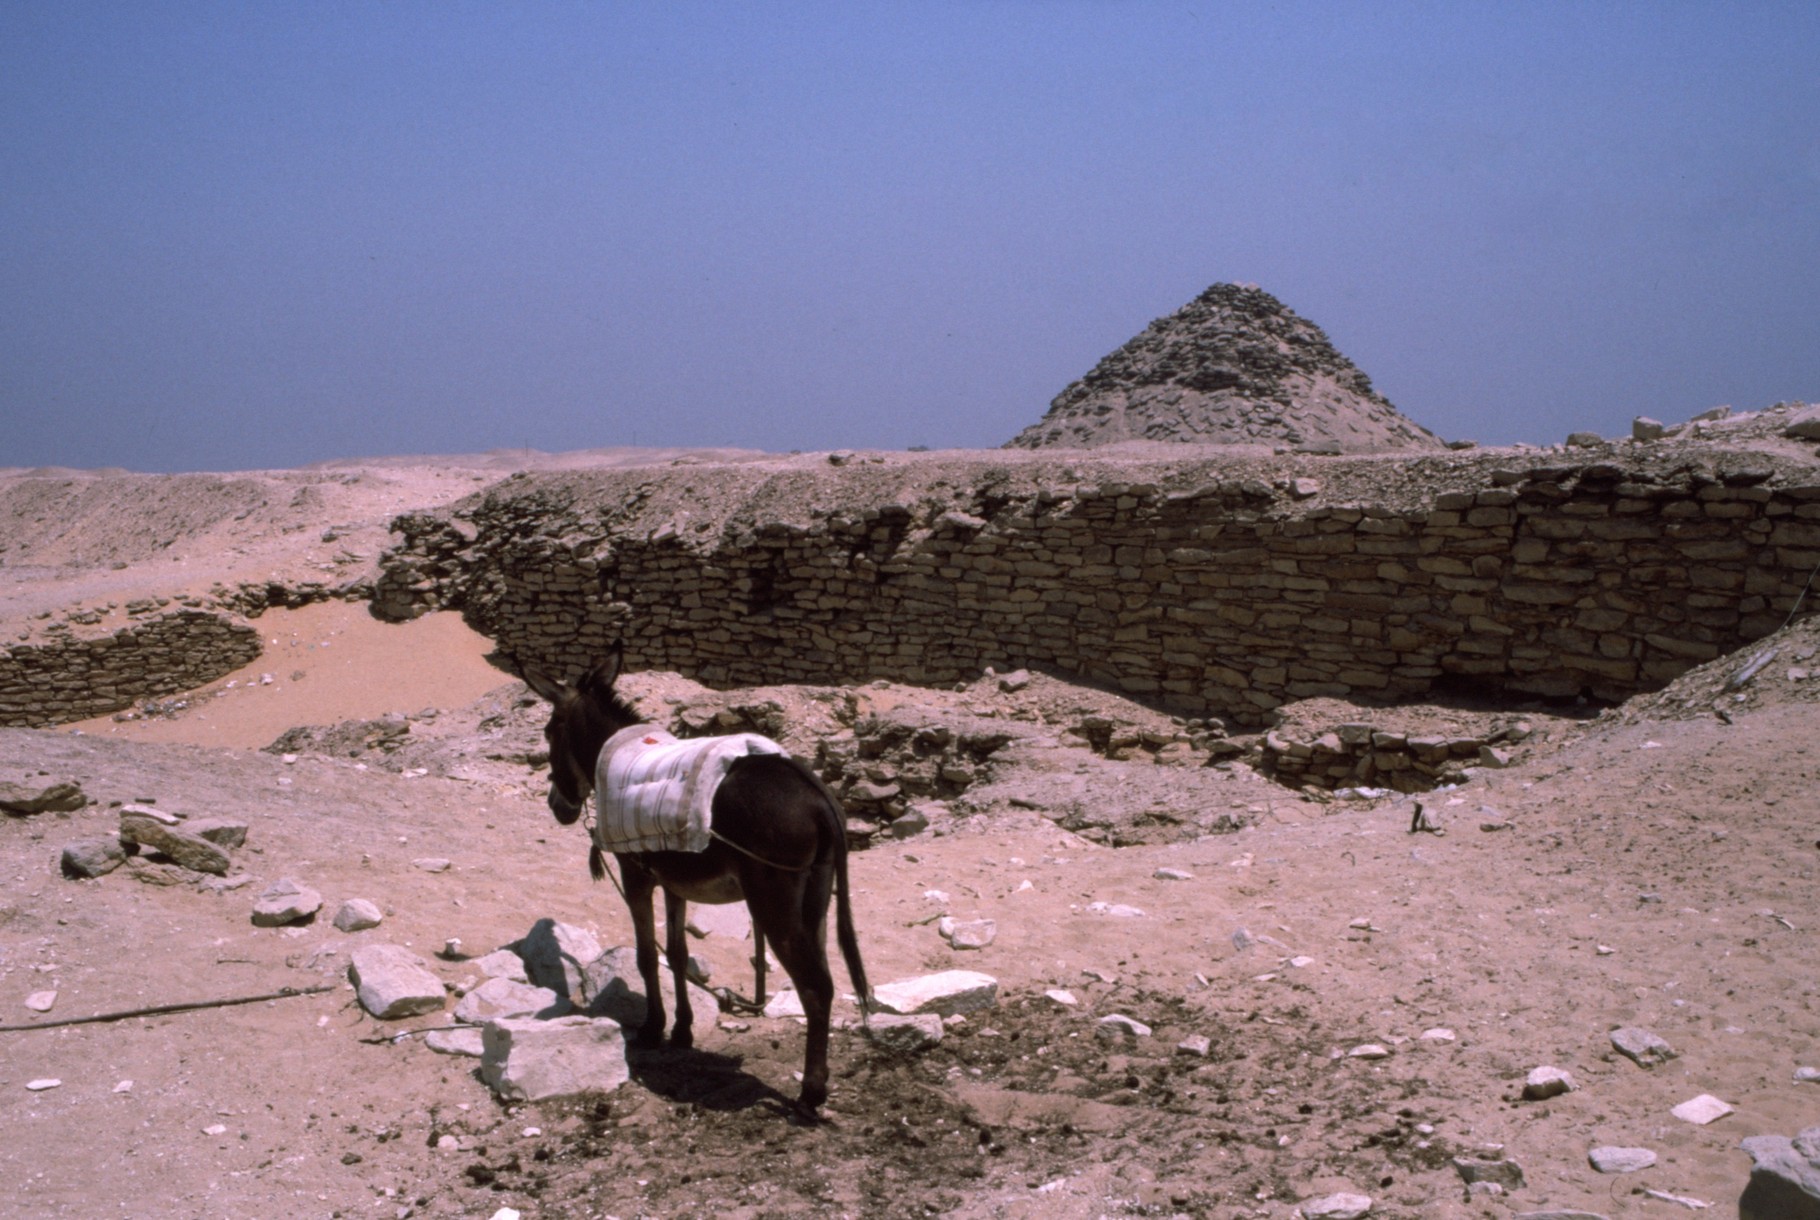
73 678
1207 588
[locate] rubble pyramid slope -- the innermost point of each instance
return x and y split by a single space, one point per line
1233 366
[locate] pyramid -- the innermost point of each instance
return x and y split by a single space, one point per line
1234 366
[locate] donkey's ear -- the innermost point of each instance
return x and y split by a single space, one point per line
544 686
600 679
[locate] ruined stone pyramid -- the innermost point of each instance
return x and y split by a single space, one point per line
1234 366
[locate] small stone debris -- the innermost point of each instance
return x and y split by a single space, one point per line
88 858
1641 1047
1116 910
1494 1170
1494 757
1437 1034
1118 1027
285 902
1784 1177
1173 874
1014 681
1701 1110
432 864
393 982
524 1059
1807 1075
1198 1046
1545 1082
26 800
905 1034
1369 1050
191 851
1342 1206
1062 996
357 915
1620 1160
945 994
39 1085
227 833
968 934
41 1001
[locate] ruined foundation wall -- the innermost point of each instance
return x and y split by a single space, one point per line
1209 588
60 680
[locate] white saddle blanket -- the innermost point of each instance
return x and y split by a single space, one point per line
653 792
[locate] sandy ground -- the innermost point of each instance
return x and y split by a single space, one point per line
1655 867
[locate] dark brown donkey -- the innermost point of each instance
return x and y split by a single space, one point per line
780 843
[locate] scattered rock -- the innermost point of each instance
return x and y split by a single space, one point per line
1118 1027
188 850
393 982
1806 1075
1784 1177
1117 910
1342 1206
1014 681
41 1001
227 833
47 1082
285 902
1701 1110
1173 874
1620 1160
502 964
1546 1082
1437 1034
357 915
432 864
1058 995
529 1060
92 857
968 934
1804 425
1494 1170
1197 1045
905 1034
611 987
1369 1050
498 998
1641 1047
1643 428
944 994
24 800
469 1041
556 955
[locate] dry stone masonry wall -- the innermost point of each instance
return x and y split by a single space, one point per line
73 678
1208 588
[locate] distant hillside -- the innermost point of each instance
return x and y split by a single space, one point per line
1233 366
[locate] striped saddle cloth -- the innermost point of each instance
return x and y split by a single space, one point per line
653 792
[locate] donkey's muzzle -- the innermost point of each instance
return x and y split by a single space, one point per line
565 811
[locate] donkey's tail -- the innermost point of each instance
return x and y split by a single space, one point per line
843 905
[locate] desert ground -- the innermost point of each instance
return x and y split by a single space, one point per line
1335 1004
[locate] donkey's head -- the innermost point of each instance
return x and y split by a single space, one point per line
582 717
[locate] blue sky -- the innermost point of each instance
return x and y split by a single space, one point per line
264 234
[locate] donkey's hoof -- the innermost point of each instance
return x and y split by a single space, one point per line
812 1098
682 1038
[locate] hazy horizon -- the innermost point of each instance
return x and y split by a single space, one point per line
240 237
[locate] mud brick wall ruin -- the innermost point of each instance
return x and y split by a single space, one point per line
73 678
1223 589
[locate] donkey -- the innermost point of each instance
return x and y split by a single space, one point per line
779 842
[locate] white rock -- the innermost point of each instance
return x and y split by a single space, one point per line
43 1083
1117 910
502 964
1369 1050
1342 1206
469 1042
1546 1082
498 998
1197 1045
1059 995
1620 1160
432 864
41 1001
556 955
969 933
784 1004
285 902
393 982
1437 1034
1701 1110
1641 1047
357 915
945 994
529 1060
1806 1075
614 989
125 1086
1173 874
1301 961
1119 1027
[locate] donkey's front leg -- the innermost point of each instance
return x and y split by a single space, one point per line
676 948
639 885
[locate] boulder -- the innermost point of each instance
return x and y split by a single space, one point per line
23 800
92 857
393 982
1784 1178
192 851
1545 1082
228 833
944 994
285 902
905 1035
357 915
497 998
556 955
502 964
1804 425
529 1060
